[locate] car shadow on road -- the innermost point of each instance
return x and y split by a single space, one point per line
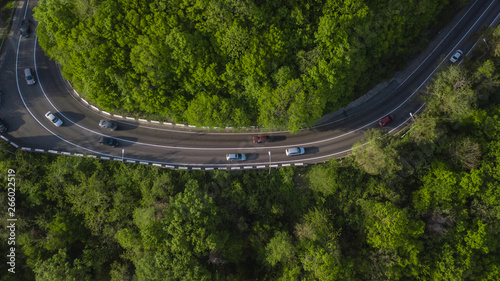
125 141
278 138
311 150
124 126
252 156
69 115
13 125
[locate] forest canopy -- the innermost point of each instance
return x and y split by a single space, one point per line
276 64
425 206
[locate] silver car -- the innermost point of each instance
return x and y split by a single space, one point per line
295 151
29 77
108 124
456 56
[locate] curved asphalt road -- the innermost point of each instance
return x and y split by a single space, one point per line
23 109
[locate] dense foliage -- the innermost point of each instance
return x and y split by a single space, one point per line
278 64
424 206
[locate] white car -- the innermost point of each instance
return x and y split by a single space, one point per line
295 151
56 121
236 157
456 56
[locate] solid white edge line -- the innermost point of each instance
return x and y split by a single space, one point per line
26 9
493 22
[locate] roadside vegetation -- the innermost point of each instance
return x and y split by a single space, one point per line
275 64
5 18
6 10
424 206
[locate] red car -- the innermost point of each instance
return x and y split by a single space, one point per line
386 120
261 139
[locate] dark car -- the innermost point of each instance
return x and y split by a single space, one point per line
108 124
3 128
108 141
386 120
25 28
261 139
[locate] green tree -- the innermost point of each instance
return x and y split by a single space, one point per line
451 95
60 267
280 249
394 232
376 155
439 188
289 106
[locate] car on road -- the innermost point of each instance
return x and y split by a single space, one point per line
261 139
456 56
25 28
386 120
108 141
3 128
108 124
29 77
56 121
295 151
236 157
